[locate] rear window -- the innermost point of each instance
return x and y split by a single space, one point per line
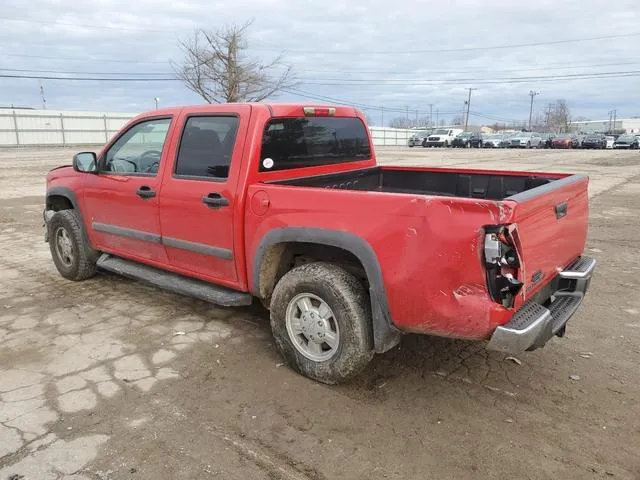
309 142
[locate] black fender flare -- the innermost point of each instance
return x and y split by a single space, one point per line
71 196
385 334
64 192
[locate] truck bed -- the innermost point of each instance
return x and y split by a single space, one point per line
441 182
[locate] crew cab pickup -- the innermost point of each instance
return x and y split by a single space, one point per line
286 203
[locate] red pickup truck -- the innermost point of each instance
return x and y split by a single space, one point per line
286 203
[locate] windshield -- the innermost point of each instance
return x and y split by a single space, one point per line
626 138
465 135
419 133
524 135
563 136
494 137
441 131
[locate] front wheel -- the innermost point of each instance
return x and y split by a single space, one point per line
321 322
72 255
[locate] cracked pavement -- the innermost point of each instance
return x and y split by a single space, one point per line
109 379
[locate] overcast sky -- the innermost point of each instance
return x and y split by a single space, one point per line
376 53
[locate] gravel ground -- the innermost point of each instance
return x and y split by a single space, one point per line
110 379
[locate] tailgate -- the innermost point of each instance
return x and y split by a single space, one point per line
551 222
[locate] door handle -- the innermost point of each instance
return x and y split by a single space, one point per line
145 192
215 200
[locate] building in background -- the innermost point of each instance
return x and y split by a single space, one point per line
629 125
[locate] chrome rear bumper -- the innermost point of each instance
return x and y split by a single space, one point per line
534 324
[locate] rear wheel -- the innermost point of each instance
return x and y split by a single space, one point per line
72 255
321 322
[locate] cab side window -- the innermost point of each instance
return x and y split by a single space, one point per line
206 147
139 150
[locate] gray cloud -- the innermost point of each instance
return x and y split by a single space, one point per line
335 47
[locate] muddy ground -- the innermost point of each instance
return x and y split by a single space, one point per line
110 379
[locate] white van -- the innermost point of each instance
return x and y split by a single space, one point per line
442 137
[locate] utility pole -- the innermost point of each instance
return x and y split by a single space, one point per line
610 112
468 102
531 94
382 114
416 118
615 113
437 112
431 114
42 98
156 99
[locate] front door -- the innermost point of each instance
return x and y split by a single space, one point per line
198 196
121 201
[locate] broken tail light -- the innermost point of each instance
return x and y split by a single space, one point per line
502 265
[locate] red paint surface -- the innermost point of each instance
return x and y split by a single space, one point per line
429 247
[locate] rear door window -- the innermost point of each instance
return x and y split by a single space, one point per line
206 147
308 142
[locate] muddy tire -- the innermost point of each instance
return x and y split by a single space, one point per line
321 322
72 255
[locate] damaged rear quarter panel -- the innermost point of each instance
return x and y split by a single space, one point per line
429 250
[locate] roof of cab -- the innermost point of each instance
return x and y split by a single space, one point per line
276 109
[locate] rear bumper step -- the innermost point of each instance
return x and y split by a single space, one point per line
534 324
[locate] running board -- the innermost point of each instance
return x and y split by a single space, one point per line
173 282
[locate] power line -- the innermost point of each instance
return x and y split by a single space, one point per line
464 49
547 66
92 79
358 83
82 72
539 67
83 25
457 81
83 59
360 52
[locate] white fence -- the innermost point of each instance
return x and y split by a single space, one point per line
390 136
20 128
24 128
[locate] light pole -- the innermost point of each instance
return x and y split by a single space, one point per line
531 94
156 99
466 120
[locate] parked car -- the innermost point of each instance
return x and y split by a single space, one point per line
526 140
547 138
467 140
493 141
610 141
564 140
234 201
594 140
441 137
416 139
627 141
580 138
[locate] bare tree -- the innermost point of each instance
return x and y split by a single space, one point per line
216 67
559 116
457 120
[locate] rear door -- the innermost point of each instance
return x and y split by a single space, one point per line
199 196
552 222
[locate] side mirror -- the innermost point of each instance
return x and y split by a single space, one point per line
85 162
